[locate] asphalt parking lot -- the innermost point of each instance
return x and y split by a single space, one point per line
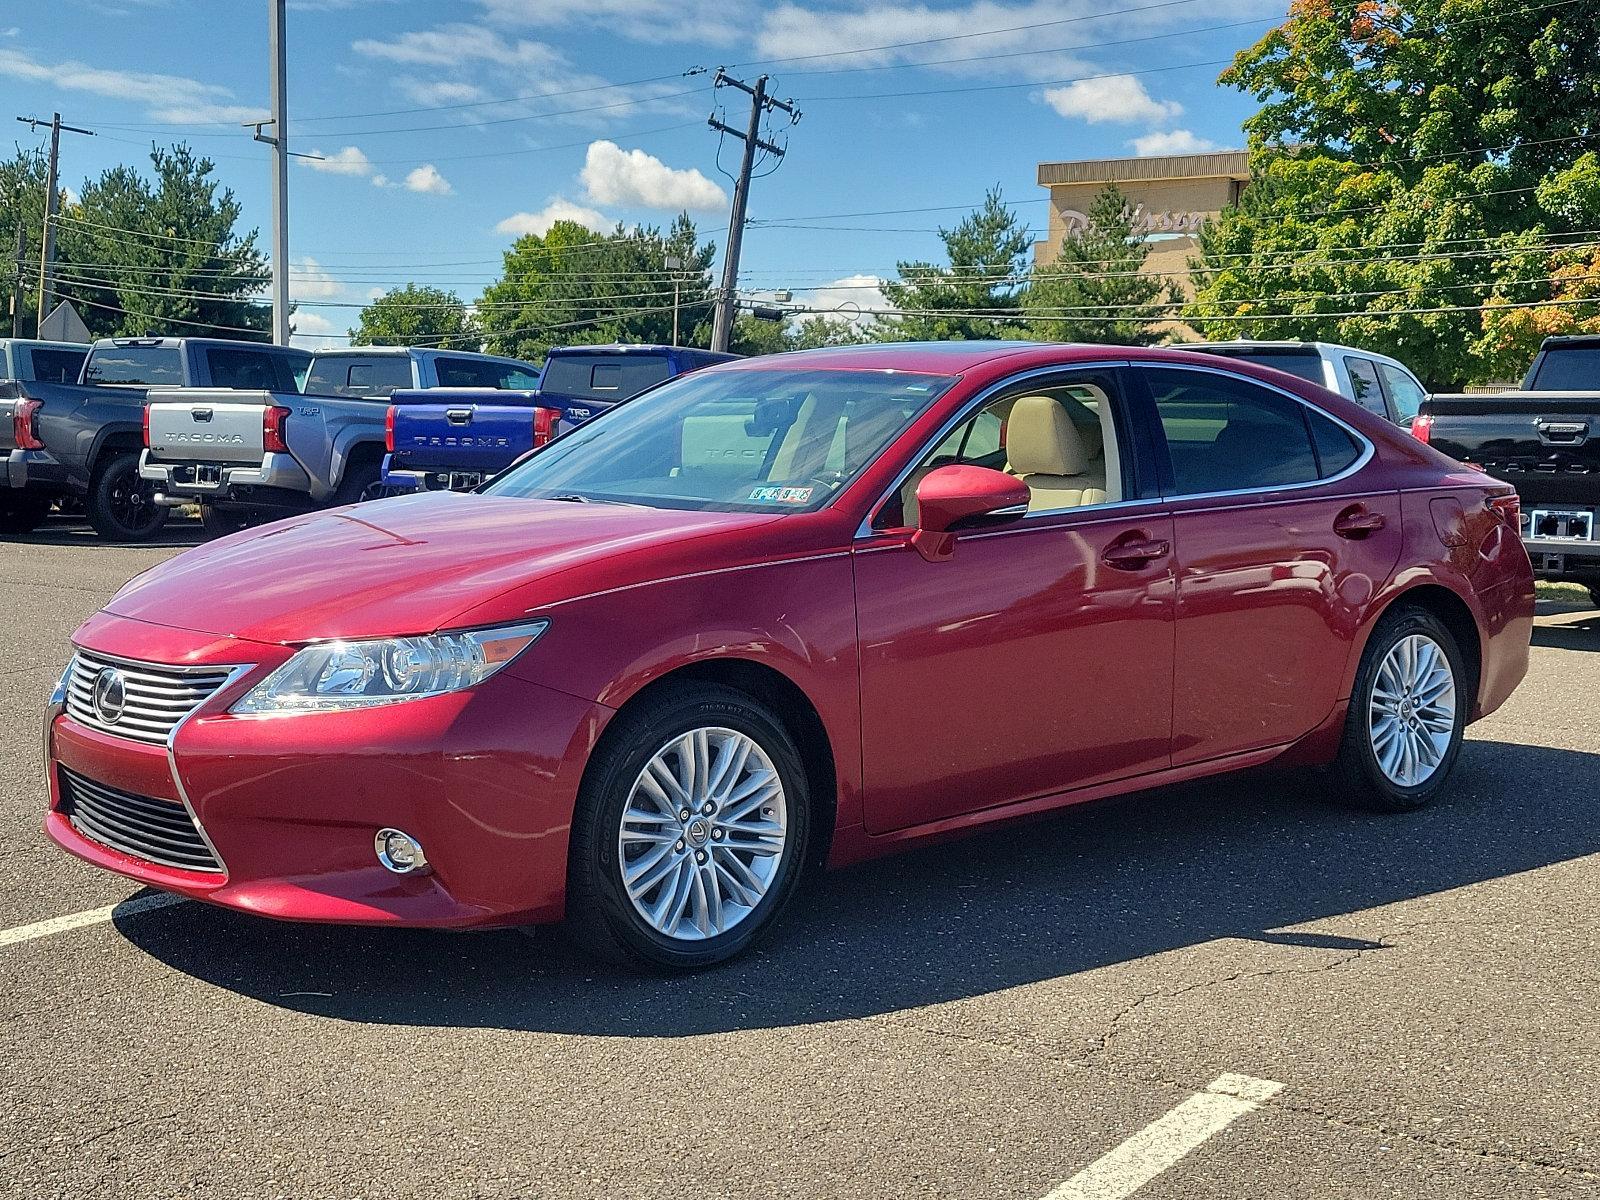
991 1018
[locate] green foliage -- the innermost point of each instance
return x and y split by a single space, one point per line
138 255
818 331
1410 157
417 315
753 336
1093 292
987 253
571 286
22 180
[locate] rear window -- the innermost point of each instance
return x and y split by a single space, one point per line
156 365
1304 364
249 370
57 366
472 372
1569 369
604 376
347 376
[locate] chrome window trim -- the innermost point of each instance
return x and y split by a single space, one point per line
865 530
1368 453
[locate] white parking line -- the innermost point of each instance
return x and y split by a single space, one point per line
94 916
1159 1145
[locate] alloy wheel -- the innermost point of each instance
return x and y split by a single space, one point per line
702 834
1412 713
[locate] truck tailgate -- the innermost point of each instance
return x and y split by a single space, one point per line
463 438
207 425
1545 444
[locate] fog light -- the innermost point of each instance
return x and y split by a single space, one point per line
399 852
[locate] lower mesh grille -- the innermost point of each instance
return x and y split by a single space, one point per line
158 831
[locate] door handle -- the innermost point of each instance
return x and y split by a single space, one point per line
1357 521
1134 551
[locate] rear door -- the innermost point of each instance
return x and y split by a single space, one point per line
1278 549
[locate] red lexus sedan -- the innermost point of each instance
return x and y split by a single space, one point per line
793 610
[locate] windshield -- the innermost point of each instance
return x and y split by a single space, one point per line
1569 369
134 365
735 441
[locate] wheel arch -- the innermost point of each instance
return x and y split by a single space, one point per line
793 707
1451 610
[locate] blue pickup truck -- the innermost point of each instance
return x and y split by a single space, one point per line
456 438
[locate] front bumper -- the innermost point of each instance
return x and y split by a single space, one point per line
485 779
34 468
213 481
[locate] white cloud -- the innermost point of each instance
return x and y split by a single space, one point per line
1176 141
165 97
383 181
612 175
313 332
427 179
310 281
348 161
557 210
719 22
439 92
452 45
848 299
1110 98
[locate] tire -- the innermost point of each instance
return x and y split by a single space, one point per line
695 853
120 505
1410 766
220 522
360 479
23 512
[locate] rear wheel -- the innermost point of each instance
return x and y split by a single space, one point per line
219 522
691 830
23 512
362 481
120 505
1407 714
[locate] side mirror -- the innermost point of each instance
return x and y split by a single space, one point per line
951 497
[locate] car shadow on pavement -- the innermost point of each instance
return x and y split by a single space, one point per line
1084 888
1580 632
177 533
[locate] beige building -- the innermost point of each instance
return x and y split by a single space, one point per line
1172 197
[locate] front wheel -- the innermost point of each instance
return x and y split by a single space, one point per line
691 831
121 506
1407 714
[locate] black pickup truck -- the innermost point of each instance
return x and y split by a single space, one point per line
1545 441
84 438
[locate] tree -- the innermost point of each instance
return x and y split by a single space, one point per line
818 331
417 315
22 189
1411 161
572 286
1094 291
975 293
1512 335
752 335
140 256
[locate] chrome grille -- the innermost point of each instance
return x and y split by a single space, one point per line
158 831
156 697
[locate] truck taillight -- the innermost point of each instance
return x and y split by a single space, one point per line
388 429
144 421
22 427
544 425
1508 509
273 421
1422 427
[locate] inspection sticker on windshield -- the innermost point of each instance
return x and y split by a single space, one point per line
782 495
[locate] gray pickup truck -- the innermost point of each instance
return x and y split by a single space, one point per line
80 436
246 456
22 361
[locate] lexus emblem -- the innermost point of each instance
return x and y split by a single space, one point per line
110 695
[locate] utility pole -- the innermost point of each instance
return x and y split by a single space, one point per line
279 141
674 264
52 200
760 105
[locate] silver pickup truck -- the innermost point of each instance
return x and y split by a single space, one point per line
247 455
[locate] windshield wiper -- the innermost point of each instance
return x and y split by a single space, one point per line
579 498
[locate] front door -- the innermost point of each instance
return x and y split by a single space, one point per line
1038 657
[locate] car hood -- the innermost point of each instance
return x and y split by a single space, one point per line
414 564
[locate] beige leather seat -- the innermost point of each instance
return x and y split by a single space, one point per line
1049 453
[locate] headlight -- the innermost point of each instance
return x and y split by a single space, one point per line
340 675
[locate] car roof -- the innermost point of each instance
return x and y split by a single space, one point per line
938 358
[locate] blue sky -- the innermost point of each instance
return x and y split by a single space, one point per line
447 126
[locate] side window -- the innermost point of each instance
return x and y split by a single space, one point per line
1404 391
469 372
1337 451
1058 437
1227 435
57 366
1364 380
249 370
516 379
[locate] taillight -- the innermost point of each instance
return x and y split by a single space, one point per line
388 429
145 422
22 430
1422 427
273 420
1508 509
544 425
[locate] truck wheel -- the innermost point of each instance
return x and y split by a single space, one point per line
219 522
23 512
120 505
362 481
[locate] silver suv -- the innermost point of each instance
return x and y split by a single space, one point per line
1375 382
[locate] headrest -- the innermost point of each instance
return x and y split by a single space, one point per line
1042 440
